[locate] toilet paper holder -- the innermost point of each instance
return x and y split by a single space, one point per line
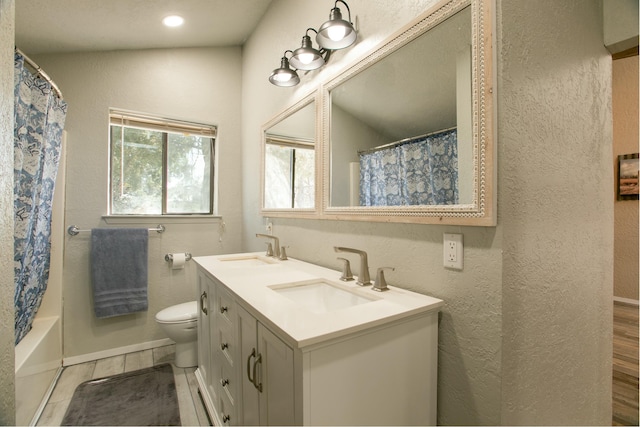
169 257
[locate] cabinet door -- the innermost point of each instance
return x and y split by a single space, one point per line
206 289
276 377
267 377
249 412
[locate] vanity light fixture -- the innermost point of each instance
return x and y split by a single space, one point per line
173 20
284 76
336 33
306 57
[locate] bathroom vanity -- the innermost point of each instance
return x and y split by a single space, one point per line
286 342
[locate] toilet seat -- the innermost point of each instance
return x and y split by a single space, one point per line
180 313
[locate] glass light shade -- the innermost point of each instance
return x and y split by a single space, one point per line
306 57
284 76
336 33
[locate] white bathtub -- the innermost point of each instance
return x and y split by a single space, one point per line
38 362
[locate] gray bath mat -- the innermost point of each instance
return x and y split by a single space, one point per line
141 398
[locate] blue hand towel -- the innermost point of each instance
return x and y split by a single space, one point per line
119 258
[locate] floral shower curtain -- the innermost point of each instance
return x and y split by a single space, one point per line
422 171
39 121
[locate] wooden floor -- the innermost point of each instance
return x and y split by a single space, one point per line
192 412
625 365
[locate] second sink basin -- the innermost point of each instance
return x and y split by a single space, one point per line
247 260
321 296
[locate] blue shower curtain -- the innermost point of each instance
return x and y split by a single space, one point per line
422 171
39 121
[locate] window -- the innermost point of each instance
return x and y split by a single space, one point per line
159 166
289 173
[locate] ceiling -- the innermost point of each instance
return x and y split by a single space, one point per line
44 26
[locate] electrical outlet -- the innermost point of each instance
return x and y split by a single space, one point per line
453 251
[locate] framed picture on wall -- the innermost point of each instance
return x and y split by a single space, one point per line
628 165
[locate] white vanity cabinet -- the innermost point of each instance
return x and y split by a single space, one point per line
271 361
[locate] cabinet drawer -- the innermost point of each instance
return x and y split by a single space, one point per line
228 414
226 343
226 306
228 381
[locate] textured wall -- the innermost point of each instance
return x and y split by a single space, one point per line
555 209
191 84
7 334
470 323
525 336
625 141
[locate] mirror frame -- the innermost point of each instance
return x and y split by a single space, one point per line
482 210
312 98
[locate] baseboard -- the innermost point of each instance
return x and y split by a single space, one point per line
89 357
627 301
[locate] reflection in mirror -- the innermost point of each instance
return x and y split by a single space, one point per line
401 128
289 161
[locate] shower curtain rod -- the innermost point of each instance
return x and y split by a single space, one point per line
403 141
41 72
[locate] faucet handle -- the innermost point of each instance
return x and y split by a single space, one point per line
346 270
269 249
380 284
283 253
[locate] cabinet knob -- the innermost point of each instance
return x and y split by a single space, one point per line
224 346
224 382
226 418
223 310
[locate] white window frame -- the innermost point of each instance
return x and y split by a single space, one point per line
149 122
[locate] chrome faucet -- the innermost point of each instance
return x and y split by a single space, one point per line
276 244
381 284
363 277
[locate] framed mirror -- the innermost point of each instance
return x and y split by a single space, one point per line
407 131
289 161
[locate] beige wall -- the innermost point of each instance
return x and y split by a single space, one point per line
555 212
525 335
201 85
625 141
7 321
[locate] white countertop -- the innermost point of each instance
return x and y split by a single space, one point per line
304 327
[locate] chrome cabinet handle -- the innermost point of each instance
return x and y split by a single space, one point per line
253 354
255 369
203 297
224 346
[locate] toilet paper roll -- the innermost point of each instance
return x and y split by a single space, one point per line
178 261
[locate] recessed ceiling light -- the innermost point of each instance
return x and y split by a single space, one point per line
173 21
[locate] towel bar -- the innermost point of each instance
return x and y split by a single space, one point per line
73 230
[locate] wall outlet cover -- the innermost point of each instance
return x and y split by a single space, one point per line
453 251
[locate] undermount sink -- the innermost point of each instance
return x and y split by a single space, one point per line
247 260
321 296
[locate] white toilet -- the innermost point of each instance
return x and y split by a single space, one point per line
180 323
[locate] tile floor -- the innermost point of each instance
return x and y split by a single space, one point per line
192 412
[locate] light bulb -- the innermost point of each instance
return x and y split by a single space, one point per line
282 77
336 32
305 58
